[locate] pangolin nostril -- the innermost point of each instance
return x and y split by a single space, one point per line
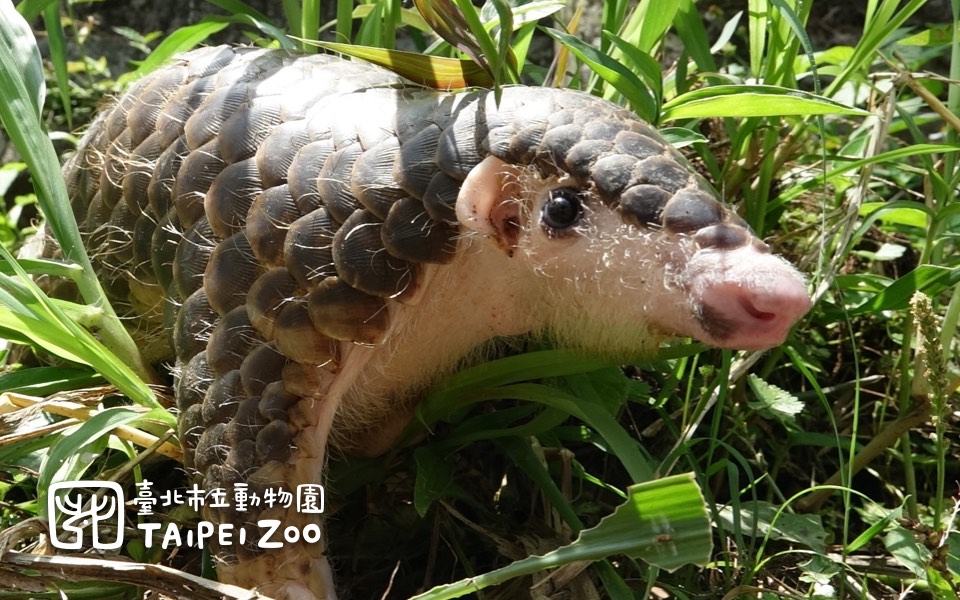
755 312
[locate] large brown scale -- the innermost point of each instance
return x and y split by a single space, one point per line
264 214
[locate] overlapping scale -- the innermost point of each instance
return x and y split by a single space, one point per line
231 271
267 223
230 196
308 248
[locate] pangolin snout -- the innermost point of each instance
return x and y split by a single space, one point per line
749 300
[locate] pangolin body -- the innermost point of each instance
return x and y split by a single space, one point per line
311 239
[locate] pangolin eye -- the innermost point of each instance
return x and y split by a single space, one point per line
562 210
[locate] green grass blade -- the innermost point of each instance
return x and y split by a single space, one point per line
643 64
647 24
391 20
520 453
309 29
294 16
58 56
521 45
500 379
435 477
663 522
758 14
238 7
874 530
938 35
512 369
62 463
43 381
614 73
753 101
39 333
795 24
622 445
242 10
930 279
41 320
901 212
344 29
501 66
31 9
43 266
448 20
480 34
183 39
693 34
433 71
21 79
891 156
878 28
524 14
613 17
491 427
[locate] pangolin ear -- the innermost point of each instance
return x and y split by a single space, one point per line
489 202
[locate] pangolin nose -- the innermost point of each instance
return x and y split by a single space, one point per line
754 316
748 299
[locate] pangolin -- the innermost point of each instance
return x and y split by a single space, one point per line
312 240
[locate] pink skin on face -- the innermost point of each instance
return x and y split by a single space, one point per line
749 300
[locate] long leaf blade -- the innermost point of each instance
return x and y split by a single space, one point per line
753 101
433 71
611 71
663 522
19 114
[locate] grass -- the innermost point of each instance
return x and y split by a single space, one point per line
814 463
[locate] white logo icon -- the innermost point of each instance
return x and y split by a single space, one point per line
95 505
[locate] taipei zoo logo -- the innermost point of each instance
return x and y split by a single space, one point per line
96 506
90 514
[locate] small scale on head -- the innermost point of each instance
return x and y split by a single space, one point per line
627 242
